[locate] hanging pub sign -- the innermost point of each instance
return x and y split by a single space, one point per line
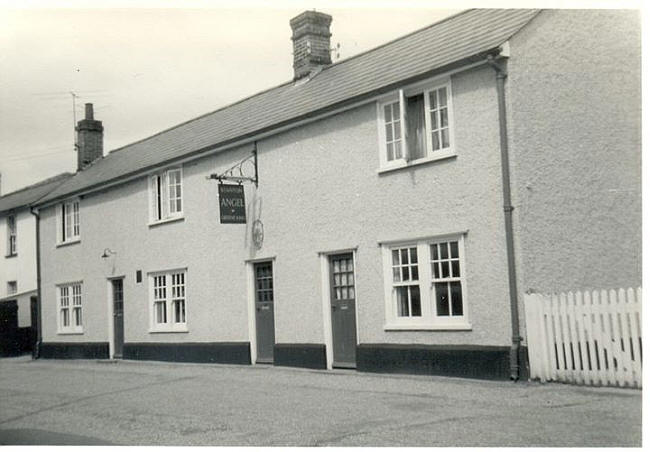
232 206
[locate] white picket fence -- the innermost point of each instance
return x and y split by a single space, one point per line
590 338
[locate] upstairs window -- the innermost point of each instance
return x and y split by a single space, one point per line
11 236
416 126
168 301
12 287
393 126
69 307
69 230
166 195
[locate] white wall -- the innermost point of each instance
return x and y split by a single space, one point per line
319 190
22 267
574 92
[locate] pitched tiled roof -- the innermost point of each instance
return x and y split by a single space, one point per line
458 38
31 194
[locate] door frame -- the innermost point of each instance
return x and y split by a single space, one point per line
326 292
250 289
111 320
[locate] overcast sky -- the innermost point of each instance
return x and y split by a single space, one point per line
149 69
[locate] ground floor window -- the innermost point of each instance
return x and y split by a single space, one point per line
70 319
168 300
425 284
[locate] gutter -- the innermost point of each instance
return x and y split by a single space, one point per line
501 75
36 353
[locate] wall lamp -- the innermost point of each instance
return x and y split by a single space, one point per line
107 252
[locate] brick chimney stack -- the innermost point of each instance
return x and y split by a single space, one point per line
90 139
311 42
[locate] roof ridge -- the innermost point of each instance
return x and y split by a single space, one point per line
324 69
38 184
121 148
399 38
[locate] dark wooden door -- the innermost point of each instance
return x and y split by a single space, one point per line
343 296
33 326
264 317
118 317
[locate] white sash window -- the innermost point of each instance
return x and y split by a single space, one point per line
166 195
425 285
70 319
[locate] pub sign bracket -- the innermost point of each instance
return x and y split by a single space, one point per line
236 172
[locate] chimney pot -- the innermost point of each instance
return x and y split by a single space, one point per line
89 111
311 42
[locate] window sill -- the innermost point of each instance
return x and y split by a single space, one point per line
165 221
176 330
428 327
438 155
11 255
68 242
70 333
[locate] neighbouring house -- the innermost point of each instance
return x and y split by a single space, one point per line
18 267
404 201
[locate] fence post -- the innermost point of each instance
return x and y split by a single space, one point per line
600 338
545 357
633 306
559 345
575 349
532 336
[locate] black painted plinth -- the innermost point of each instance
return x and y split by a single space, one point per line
74 350
468 361
311 356
190 352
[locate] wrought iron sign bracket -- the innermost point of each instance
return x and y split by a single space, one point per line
236 172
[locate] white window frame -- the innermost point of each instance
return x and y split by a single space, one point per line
170 296
400 96
68 214
12 227
161 206
429 320
72 294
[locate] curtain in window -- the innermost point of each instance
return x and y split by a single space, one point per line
415 127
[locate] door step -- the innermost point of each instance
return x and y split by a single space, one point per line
344 365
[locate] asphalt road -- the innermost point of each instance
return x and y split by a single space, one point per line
146 403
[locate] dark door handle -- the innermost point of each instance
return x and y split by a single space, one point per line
333 308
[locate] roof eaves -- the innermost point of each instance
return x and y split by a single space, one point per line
60 178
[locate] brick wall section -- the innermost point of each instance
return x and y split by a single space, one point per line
90 139
311 42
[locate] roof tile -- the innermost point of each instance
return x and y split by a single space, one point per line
459 37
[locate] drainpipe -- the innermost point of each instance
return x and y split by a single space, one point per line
501 75
39 337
